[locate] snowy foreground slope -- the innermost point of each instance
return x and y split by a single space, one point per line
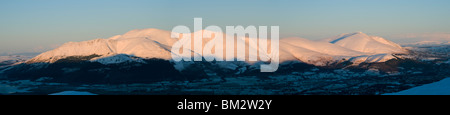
73 93
438 88
153 43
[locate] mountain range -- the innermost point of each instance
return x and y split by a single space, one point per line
141 44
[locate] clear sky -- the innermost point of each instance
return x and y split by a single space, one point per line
38 25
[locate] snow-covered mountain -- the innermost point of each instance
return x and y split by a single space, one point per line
364 43
153 43
146 43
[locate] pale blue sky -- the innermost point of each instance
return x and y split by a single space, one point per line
36 25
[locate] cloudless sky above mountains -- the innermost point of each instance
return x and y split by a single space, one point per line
38 25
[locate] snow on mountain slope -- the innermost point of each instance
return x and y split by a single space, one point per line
117 59
153 43
160 36
371 58
141 47
290 52
364 43
321 47
85 48
387 42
